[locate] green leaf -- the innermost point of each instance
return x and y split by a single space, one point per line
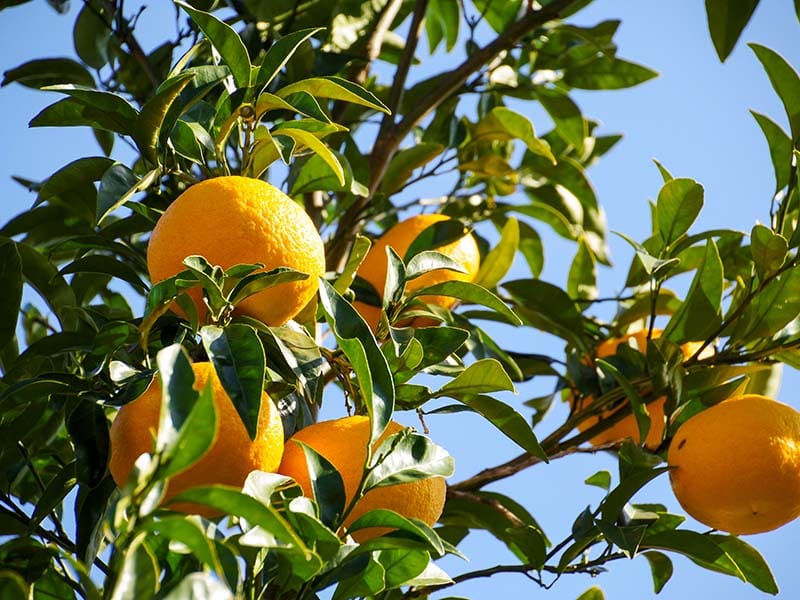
225 40
187 424
48 71
407 456
785 82
660 568
612 505
73 113
369 363
358 252
191 534
502 123
499 15
607 74
780 149
405 162
88 429
550 309
726 21
118 185
74 175
148 127
593 593
239 360
751 565
483 376
138 577
500 258
279 54
638 406
601 479
401 565
107 265
442 19
57 489
365 584
775 306
200 585
105 105
582 279
327 485
40 274
700 314
567 118
11 284
470 293
256 282
381 517
430 261
768 250
304 138
335 88
510 423
530 245
679 203
91 35
13 586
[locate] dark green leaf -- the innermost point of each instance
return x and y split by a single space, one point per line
238 358
429 261
700 314
116 191
638 406
98 263
105 105
91 35
582 279
74 113
607 74
45 279
775 306
382 517
191 534
369 364
225 40
48 71
569 122
74 175
407 456
327 485
530 245
726 21
279 54
470 293
11 284
90 511
780 149
660 568
88 428
752 566
402 565
366 584
153 118
12 586
679 204
785 82
612 505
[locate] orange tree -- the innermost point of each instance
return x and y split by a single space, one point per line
314 97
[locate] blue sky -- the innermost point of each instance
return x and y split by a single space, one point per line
694 119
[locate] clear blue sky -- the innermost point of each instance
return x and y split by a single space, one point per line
694 119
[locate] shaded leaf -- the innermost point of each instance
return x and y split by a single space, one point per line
327 486
48 71
335 88
780 149
726 21
785 81
11 284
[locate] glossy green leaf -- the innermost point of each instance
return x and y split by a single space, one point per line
78 173
768 250
679 203
139 576
256 282
660 568
148 127
358 252
98 263
225 40
601 479
48 71
239 360
780 149
382 517
638 406
106 105
483 376
191 534
510 423
279 54
607 74
11 284
470 293
500 258
502 123
88 429
327 486
427 261
700 314
612 505
726 21
582 278
365 584
401 565
436 235
187 424
334 88
116 191
752 566
369 364
549 308
304 138
407 456
785 81
775 306
200 585
567 118
40 274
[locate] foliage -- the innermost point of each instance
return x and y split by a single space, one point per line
318 91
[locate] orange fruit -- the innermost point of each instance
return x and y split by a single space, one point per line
233 220
343 443
627 427
400 237
228 461
736 465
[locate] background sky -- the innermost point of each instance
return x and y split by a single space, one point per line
694 119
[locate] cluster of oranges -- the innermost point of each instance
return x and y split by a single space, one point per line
237 220
734 466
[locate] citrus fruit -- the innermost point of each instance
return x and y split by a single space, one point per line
233 220
736 465
627 427
343 443
400 237
228 461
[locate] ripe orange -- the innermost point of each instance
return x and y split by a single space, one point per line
736 465
627 427
232 220
400 237
230 458
344 443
